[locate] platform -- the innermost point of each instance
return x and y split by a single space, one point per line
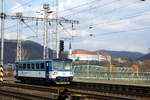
117 82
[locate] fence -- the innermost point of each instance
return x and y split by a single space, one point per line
100 72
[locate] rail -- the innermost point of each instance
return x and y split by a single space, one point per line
71 91
92 90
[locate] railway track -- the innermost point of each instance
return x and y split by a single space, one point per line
85 90
22 95
129 91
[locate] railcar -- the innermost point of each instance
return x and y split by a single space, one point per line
57 71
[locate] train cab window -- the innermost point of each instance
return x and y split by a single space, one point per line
42 65
67 65
28 66
37 66
32 66
24 66
58 65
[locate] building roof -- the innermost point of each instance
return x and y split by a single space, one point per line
90 53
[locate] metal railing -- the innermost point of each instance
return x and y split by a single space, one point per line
87 72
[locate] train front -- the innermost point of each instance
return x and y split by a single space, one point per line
62 71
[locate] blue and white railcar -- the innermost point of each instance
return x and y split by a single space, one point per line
57 70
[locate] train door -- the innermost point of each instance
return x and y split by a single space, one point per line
47 70
50 69
17 65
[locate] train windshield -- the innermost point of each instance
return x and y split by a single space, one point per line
67 66
62 65
58 65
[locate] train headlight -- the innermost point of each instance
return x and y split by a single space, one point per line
55 73
71 73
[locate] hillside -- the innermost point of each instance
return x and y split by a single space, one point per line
145 57
30 50
124 54
33 50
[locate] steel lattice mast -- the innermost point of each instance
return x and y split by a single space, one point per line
19 46
46 21
45 47
2 32
62 20
57 34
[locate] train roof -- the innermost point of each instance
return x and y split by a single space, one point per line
41 60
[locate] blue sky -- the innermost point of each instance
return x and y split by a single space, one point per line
104 16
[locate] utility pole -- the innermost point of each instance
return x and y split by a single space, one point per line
2 32
45 47
19 53
57 34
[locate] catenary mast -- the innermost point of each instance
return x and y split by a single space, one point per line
2 32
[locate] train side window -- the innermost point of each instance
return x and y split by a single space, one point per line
32 66
42 65
28 66
17 66
20 66
24 66
37 66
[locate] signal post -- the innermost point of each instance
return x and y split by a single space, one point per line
1 73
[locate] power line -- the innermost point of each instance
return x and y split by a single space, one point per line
115 9
29 27
81 5
122 19
117 32
92 8
24 4
123 31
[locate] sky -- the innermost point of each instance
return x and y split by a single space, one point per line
120 25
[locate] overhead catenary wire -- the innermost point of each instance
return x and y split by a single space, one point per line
30 28
116 32
94 7
81 5
112 22
116 9
24 4
124 31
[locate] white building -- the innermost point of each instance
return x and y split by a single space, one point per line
88 56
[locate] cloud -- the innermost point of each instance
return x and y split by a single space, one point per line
116 24
13 35
102 14
10 36
16 8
